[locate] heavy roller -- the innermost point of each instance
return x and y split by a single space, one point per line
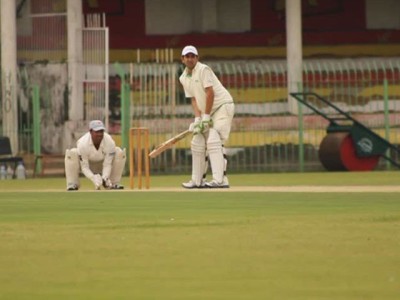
348 144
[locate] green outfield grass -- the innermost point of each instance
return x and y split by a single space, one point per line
194 245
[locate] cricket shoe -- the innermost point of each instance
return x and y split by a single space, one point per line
191 185
72 187
216 185
117 187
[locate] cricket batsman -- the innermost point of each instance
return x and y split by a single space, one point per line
98 158
213 109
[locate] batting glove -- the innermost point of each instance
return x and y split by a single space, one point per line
195 124
98 181
204 125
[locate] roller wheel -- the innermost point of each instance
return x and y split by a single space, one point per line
337 152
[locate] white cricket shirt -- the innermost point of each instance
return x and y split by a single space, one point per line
88 152
202 77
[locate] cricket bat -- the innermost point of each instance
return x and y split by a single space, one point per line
169 143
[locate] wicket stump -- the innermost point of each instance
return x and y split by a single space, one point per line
139 144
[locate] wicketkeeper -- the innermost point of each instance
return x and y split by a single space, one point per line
213 110
98 158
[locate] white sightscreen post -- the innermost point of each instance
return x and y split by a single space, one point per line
9 71
106 79
294 50
75 76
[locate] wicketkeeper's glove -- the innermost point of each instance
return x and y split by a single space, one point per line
107 183
97 181
204 125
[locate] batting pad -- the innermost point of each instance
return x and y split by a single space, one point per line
118 165
205 166
72 166
198 147
225 159
216 156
